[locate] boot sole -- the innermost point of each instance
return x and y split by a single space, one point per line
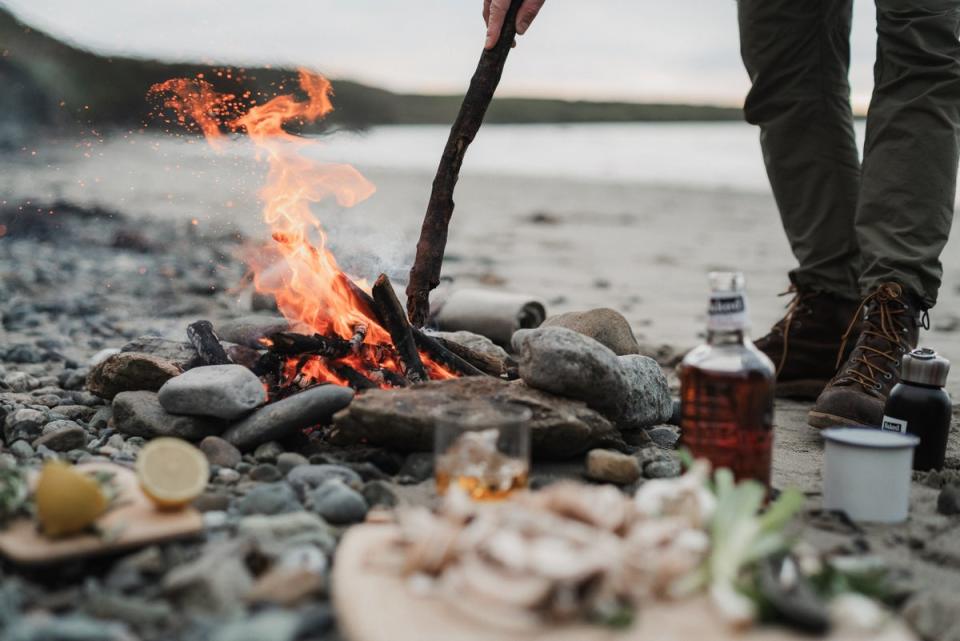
807 389
822 420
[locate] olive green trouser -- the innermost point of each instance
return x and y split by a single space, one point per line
852 228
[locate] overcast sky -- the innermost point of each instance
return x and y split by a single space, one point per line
619 49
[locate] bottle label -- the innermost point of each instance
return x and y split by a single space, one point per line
894 425
728 312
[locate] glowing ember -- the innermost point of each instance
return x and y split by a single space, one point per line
311 291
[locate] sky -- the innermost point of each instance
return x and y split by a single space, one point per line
645 50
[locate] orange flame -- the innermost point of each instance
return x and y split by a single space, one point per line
310 289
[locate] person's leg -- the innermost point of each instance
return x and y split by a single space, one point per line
909 176
797 54
906 199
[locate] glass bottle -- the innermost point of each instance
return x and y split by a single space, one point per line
726 388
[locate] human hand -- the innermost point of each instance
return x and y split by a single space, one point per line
495 11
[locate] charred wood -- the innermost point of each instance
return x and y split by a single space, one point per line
483 362
444 356
425 273
205 341
394 320
354 379
292 344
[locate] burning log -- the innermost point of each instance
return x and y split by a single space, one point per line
391 314
444 356
425 273
354 378
359 335
292 344
205 341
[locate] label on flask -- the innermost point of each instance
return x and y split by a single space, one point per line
728 312
893 425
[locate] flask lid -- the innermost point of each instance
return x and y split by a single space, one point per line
728 303
925 367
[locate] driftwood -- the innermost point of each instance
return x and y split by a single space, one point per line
394 320
209 349
425 273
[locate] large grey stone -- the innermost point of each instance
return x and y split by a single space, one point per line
250 330
401 420
130 371
569 364
630 390
281 419
275 534
140 414
214 583
337 503
221 391
604 325
219 452
648 400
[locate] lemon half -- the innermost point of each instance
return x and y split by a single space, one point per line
172 472
67 501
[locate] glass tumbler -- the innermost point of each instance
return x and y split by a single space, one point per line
483 447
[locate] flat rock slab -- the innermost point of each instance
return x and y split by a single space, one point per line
179 352
278 420
221 391
249 330
130 372
401 419
604 325
140 414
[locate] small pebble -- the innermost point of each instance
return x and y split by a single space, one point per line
265 473
609 466
289 460
949 500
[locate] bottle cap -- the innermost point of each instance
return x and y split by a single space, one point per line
925 367
728 303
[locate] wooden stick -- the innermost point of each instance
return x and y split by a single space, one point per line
354 378
209 349
391 314
486 364
293 344
444 356
425 273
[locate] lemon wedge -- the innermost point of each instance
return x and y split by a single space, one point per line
67 501
172 472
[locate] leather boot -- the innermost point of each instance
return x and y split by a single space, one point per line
858 392
804 343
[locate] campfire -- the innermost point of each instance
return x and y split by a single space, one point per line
344 334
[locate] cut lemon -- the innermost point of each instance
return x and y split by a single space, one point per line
172 472
66 500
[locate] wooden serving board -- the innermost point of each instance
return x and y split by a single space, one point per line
134 522
374 603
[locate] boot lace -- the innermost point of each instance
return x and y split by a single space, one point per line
861 368
794 308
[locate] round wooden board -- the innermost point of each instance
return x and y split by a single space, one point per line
374 603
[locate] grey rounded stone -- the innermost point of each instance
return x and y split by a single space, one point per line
604 325
25 423
337 503
308 477
221 391
249 330
567 363
609 466
268 452
270 498
662 469
948 502
648 401
664 436
64 436
140 414
265 473
21 449
289 460
220 452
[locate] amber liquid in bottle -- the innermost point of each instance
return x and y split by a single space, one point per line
726 388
